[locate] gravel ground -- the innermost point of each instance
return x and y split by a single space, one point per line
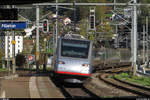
107 91
3 74
20 73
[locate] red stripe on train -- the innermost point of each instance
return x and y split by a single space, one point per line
72 73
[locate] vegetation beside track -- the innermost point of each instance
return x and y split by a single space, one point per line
3 69
145 81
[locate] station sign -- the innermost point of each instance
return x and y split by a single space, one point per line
13 25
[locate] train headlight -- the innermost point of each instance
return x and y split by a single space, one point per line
61 62
86 65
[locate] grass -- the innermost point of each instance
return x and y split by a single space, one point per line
145 81
49 68
3 69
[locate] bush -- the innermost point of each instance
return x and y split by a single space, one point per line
20 60
140 80
124 75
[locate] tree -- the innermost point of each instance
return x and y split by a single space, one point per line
20 60
106 31
83 28
28 13
1 55
91 36
33 50
100 11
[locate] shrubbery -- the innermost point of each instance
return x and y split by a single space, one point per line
140 80
20 60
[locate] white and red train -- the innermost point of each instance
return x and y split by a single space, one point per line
73 61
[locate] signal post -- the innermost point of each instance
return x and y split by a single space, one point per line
37 38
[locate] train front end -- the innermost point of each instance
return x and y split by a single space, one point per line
74 60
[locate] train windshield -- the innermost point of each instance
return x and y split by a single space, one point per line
75 48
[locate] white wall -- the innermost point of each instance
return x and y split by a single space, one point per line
18 45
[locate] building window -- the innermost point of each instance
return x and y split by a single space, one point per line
8 50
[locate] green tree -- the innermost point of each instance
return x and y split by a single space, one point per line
20 60
83 28
106 31
91 36
1 54
33 50
100 11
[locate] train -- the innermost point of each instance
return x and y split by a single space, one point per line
73 61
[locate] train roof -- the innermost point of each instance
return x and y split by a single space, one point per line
74 36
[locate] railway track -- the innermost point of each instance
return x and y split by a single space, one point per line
77 91
110 66
73 90
139 90
105 75
116 70
80 91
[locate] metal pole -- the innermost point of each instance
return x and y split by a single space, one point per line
13 53
114 5
143 43
53 47
56 24
13 50
54 32
117 37
116 40
87 27
56 36
37 37
74 15
44 65
7 51
8 63
95 27
147 57
134 38
126 42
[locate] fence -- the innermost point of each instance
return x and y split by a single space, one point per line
105 54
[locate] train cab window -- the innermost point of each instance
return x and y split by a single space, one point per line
75 48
